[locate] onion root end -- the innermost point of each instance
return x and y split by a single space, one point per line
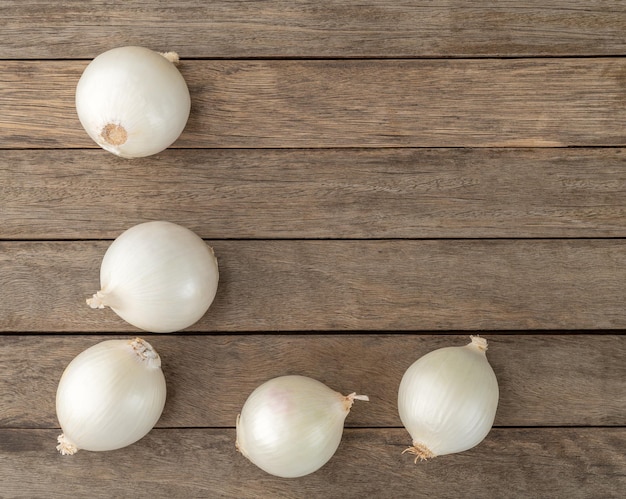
114 134
65 447
420 451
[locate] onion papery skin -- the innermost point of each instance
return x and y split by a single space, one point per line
447 400
110 396
132 101
158 276
291 426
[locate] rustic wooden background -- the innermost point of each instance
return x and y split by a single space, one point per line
378 179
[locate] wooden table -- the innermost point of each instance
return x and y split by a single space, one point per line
378 179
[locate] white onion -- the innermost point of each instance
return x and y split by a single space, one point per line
110 396
448 399
132 101
158 276
291 426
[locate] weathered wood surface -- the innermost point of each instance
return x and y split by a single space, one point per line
350 103
540 462
40 29
345 285
378 179
309 194
210 377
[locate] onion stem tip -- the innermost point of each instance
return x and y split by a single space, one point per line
145 352
349 400
171 56
96 301
479 342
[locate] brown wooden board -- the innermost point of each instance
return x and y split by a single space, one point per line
345 285
209 377
171 463
41 29
378 179
322 193
350 103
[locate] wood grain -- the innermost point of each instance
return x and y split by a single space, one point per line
210 377
350 103
378 179
309 194
345 286
540 462
42 29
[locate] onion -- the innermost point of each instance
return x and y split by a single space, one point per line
291 426
132 101
110 396
158 276
448 399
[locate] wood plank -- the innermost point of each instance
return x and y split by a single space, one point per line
336 193
378 179
568 462
40 29
210 377
350 103
345 285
